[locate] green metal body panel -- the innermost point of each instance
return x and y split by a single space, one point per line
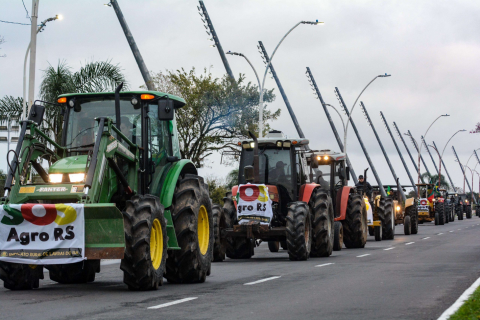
103 226
76 164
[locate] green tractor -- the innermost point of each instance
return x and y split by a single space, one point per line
119 159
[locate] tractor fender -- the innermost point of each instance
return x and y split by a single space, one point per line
409 202
306 191
168 189
342 203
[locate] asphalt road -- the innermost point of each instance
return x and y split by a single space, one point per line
411 277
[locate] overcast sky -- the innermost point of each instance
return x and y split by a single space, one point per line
431 48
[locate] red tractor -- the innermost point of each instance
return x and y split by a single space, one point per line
313 211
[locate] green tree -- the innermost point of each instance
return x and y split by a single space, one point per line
232 179
217 189
434 179
218 112
96 76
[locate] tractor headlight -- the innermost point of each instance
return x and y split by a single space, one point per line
76 177
398 208
55 177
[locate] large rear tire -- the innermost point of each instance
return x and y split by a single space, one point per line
192 217
17 276
388 232
299 231
146 240
355 223
459 211
338 236
218 226
413 213
407 225
469 212
236 248
80 272
440 209
321 209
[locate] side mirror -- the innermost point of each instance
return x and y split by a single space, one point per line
248 173
36 114
165 109
172 159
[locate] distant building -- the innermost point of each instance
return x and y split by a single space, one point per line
8 130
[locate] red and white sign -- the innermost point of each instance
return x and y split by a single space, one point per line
254 204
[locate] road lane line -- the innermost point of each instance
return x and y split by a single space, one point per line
260 281
409 243
451 231
363 255
459 229
457 304
425 238
389 248
172 303
325 264
439 234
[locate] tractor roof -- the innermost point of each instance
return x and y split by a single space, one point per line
178 102
335 155
274 136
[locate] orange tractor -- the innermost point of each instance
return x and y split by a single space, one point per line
313 211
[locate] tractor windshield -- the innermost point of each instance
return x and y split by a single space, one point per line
82 126
275 167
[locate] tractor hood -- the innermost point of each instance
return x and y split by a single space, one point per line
75 164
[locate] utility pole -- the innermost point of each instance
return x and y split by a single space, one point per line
421 157
463 170
370 123
370 163
399 153
131 41
332 125
282 92
443 164
33 55
431 157
214 36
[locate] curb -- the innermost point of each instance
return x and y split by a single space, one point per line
460 301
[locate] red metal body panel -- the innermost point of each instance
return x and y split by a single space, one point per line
341 203
306 191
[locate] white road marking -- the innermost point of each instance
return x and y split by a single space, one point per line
325 264
409 243
459 229
439 234
425 238
457 304
260 281
451 231
363 255
172 303
389 248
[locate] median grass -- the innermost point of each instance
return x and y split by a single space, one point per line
470 309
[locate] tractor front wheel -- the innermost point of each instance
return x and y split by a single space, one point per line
192 217
407 225
459 211
378 233
236 247
17 276
273 246
338 236
321 209
146 240
299 231
389 223
440 208
469 212
355 223
218 226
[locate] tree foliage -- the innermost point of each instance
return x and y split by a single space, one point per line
96 76
434 179
218 111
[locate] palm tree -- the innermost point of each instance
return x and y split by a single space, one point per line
434 179
96 76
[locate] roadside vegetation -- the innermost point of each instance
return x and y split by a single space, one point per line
470 309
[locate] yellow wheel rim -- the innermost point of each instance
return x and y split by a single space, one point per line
156 244
203 230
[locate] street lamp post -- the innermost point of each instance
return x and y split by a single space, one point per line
351 110
336 110
262 84
40 29
441 155
424 136
33 54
